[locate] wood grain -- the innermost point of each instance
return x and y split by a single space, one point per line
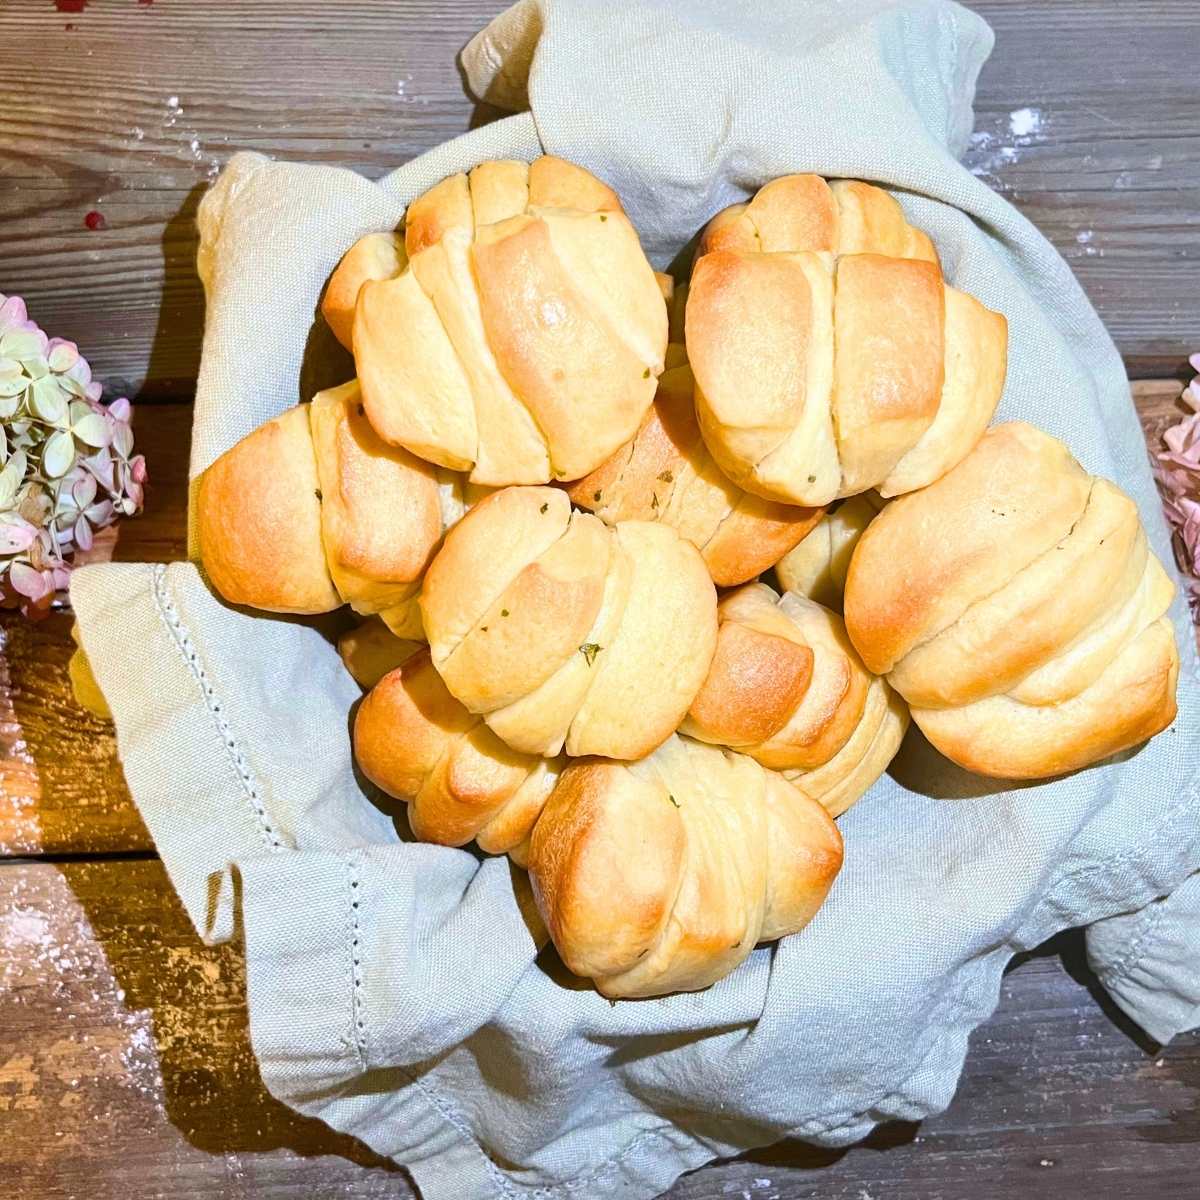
61 787
126 1073
145 102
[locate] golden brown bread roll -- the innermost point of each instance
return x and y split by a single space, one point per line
662 875
370 650
787 688
817 566
829 355
563 631
667 475
313 510
1016 606
416 742
376 256
522 339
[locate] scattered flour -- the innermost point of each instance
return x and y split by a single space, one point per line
999 145
1024 122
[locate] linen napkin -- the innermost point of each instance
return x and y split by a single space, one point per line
395 989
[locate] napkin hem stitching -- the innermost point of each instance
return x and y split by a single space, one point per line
169 614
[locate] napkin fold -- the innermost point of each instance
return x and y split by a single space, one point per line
395 989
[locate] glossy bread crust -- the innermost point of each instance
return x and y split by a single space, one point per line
521 340
562 631
1016 606
830 357
662 875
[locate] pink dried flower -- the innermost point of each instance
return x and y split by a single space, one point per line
67 467
1178 473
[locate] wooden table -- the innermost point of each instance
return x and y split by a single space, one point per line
125 1068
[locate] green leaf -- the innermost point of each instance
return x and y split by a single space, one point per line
47 401
91 429
59 455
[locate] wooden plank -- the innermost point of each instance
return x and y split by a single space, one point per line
61 787
126 1071
125 1064
1082 123
149 100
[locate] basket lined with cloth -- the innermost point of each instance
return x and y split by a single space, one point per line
395 988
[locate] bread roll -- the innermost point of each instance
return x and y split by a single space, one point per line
370 650
313 510
829 355
817 566
416 742
376 256
1016 606
787 688
662 875
563 631
667 475
522 339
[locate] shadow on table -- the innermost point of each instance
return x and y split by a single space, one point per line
213 1092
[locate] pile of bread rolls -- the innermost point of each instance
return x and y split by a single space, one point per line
553 488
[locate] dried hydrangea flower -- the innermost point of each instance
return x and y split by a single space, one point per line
67 467
1178 474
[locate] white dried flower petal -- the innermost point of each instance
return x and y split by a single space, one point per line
122 439
47 402
63 357
18 343
59 455
91 429
10 480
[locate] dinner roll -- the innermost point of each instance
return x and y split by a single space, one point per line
662 875
560 630
787 688
817 566
1016 606
666 474
370 650
413 740
376 256
522 339
829 355
313 510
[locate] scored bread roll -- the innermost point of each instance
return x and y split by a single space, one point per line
787 688
376 256
521 337
817 566
667 475
662 875
313 510
563 631
415 742
1016 606
830 357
